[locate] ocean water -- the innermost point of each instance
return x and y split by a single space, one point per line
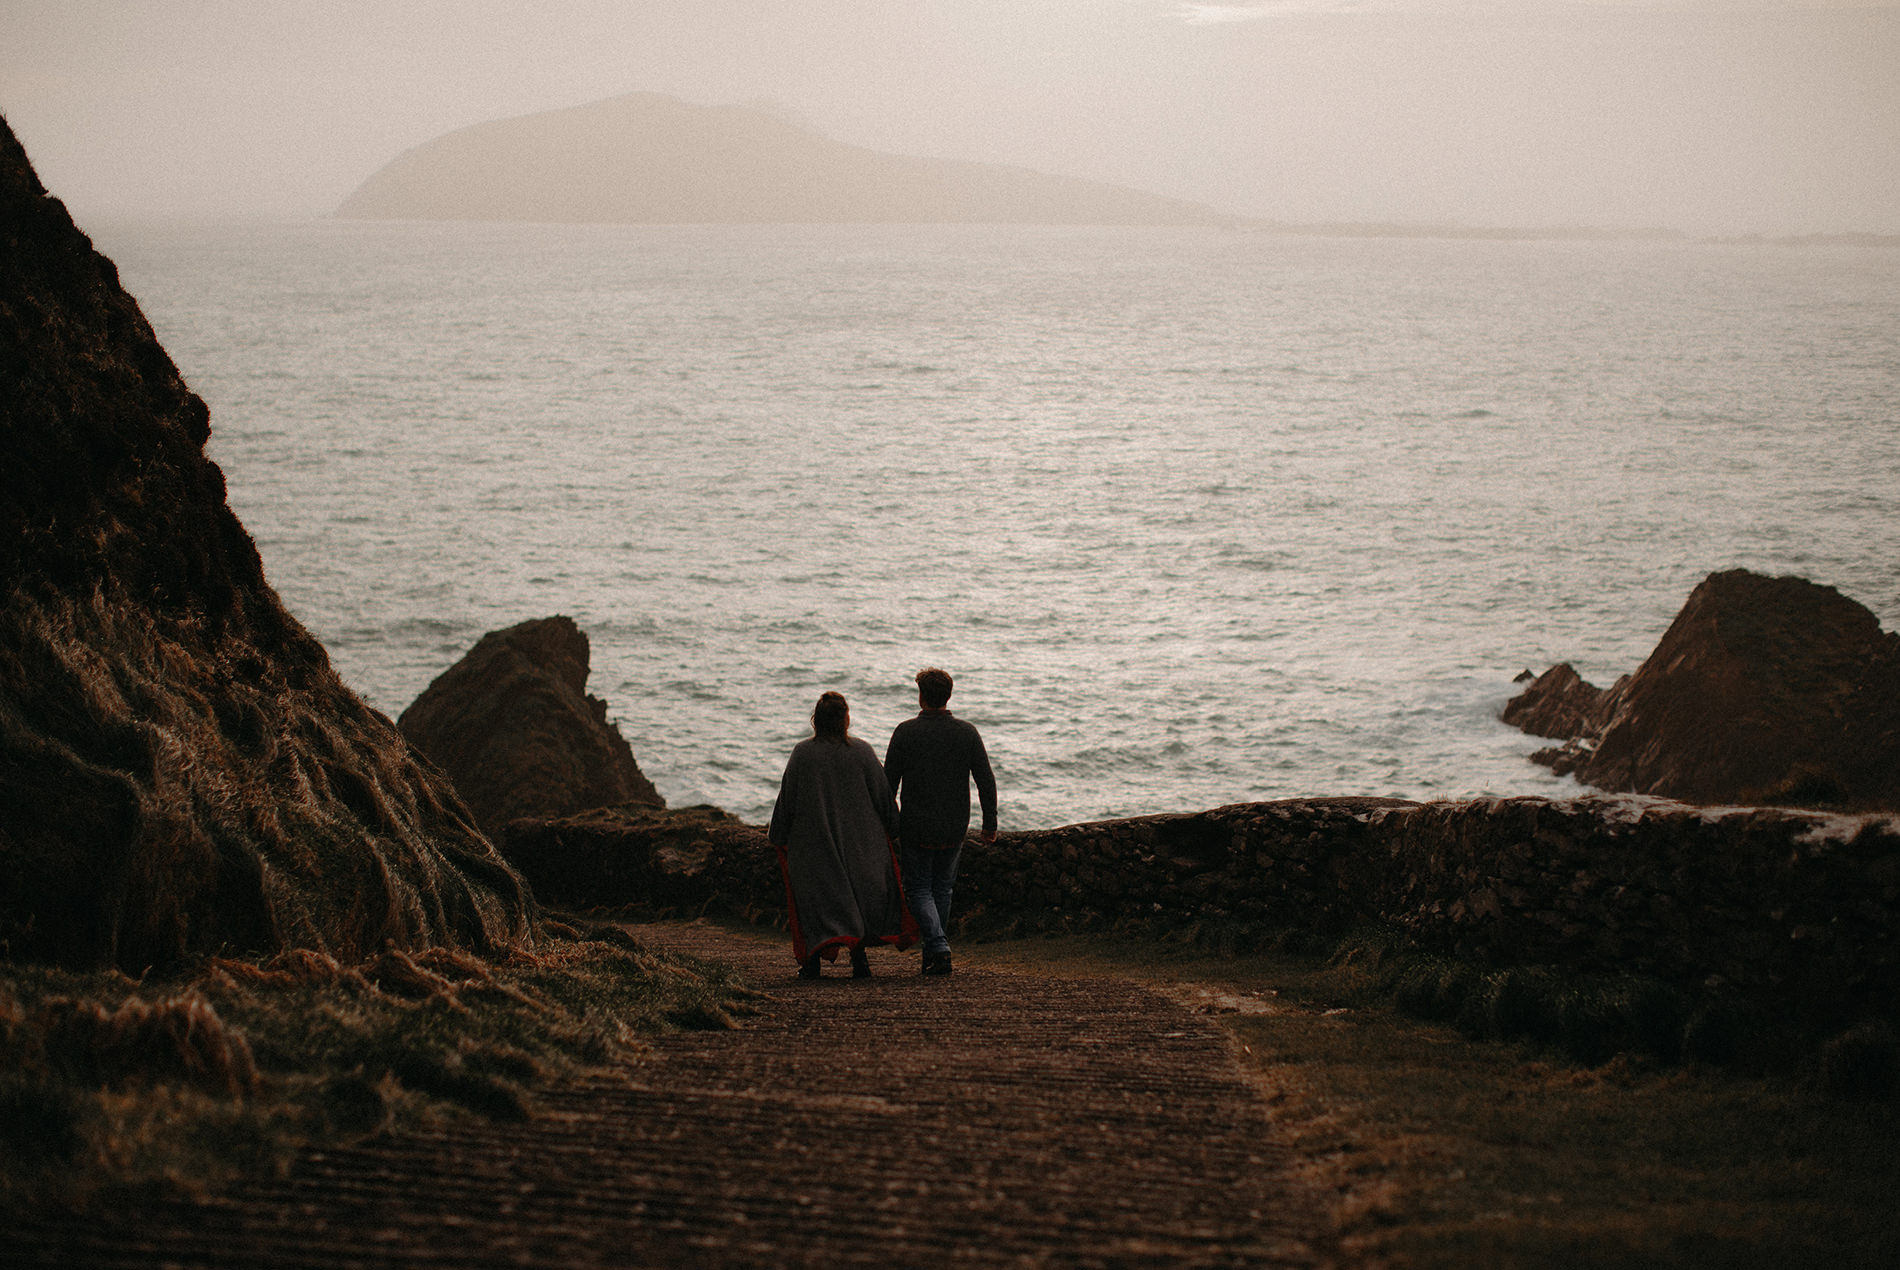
1194 517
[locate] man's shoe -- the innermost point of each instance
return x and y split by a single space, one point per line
937 963
860 966
808 968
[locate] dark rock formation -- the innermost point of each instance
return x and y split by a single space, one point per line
1763 690
1559 703
513 726
180 769
651 159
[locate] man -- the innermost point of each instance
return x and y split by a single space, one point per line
930 763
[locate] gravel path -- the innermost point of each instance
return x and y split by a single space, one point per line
990 1118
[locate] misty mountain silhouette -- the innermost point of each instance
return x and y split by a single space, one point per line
651 159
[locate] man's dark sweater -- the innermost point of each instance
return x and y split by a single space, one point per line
930 763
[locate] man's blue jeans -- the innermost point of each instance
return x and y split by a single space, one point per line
930 874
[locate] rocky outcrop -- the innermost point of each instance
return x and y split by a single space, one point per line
180 769
513 726
646 158
1560 703
1763 691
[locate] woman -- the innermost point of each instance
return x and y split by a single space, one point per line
833 825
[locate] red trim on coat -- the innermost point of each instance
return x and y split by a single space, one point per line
907 932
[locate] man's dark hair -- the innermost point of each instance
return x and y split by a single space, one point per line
933 687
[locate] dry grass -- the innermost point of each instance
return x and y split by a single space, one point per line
108 1084
1437 1150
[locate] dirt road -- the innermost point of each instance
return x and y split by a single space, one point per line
990 1118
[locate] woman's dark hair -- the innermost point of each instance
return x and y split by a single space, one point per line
831 717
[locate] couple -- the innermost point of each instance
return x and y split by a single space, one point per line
837 828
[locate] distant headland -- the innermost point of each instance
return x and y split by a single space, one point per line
646 158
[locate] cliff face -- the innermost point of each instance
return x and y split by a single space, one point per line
1763 690
180 769
513 726
650 159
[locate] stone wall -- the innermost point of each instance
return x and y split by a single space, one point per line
1782 905
1250 872
1785 906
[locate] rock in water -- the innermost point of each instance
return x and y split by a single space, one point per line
513 726
181 771
1560 703
1763 690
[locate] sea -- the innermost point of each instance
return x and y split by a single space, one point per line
1193 516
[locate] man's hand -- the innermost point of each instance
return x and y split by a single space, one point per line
989 836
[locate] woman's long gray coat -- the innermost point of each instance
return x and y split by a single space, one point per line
833 824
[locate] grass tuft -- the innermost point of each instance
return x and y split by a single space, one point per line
232 1066
1437 989
1521 1004
178 1037
1589 1019
1862 1063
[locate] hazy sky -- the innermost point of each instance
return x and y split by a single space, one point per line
1711 116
